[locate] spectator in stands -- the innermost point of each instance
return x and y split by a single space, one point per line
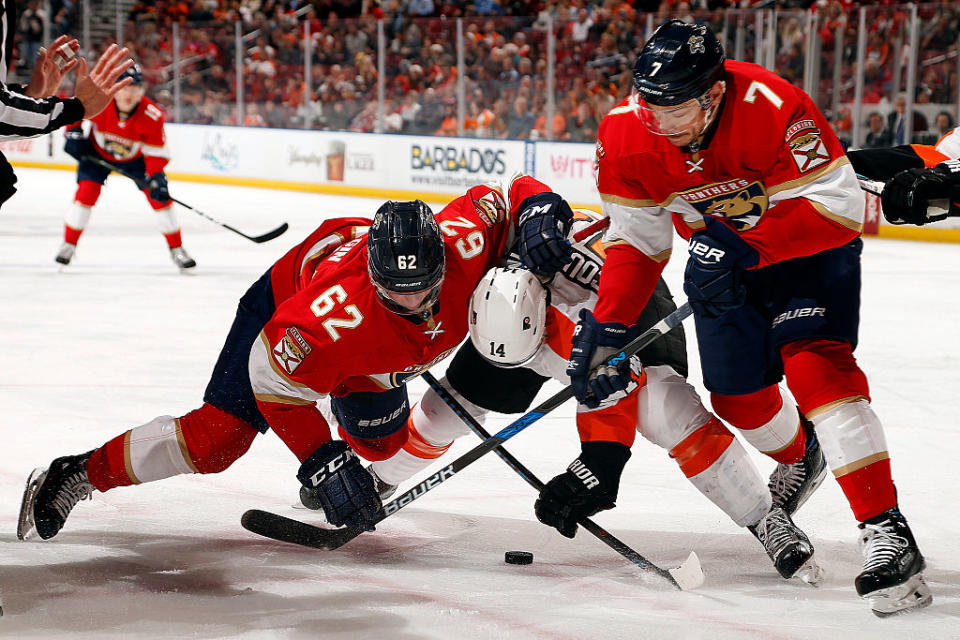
580 28
583 126
520 120
420 7
878 135
943 124
896 120
30 27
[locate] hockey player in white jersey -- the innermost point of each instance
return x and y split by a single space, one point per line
520 337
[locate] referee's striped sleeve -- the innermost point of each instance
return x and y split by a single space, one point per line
23 117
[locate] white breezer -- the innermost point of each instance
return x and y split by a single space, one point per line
508 314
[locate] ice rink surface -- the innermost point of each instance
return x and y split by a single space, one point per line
120 337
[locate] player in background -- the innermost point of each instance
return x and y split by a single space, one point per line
746 168
130 136
520 333
918 179
348 314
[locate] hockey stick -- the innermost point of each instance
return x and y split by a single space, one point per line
593 227
688 575
143 184
288 530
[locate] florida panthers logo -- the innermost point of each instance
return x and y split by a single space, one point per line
696 44
739 201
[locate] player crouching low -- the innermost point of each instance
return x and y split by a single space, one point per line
520 334
130 135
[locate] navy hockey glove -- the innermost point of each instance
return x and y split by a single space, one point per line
343 487
589 485
907 196
544 222
593 343
713 279
77 144
157 184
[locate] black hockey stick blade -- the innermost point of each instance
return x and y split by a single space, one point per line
283 529
266 237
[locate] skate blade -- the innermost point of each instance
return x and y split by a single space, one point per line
811 573
903 598
25 524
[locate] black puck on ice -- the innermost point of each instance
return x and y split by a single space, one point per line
518 557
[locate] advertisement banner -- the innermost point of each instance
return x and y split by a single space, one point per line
568 168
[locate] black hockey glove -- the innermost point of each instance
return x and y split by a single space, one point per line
589 485
157 184
77 144
713 279
544 222
908 196
593 343
343 487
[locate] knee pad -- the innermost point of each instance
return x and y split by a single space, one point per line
668 408
88 192
767 419
213 439
820 373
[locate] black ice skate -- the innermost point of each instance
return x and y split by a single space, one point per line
791 484
892 564
308 497
182 259
787 546
65 254
51 494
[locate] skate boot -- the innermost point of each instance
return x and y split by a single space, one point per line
51 494
65 254
308 498
791 484
892 564
787 545
182 259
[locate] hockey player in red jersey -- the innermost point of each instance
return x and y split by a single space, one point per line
348 315
130 135
922 182
520 333
746 168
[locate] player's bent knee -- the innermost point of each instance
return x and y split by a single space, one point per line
88 192
213 439
821 373
668 407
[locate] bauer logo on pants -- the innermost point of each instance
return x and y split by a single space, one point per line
291 350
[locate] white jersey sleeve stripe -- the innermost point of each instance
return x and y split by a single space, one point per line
270 384
648 229
835 194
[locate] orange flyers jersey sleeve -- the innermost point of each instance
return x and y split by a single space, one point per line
949 146
142 133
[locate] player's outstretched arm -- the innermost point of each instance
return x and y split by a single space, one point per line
920 196
96 87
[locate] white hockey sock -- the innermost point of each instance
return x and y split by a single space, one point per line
733 483
167 220
433 428
780 432
851 436
78 216
156 450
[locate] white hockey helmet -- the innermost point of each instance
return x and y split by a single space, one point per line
508 316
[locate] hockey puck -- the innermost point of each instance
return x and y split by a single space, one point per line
518 557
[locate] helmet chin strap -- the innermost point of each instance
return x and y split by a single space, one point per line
710 107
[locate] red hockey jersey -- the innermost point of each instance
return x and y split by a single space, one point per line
120 139
771 168
331 335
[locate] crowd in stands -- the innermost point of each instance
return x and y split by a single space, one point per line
505 61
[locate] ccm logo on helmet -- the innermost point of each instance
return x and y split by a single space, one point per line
706 253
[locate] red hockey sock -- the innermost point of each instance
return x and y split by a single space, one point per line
106 466
765 422
870 489
173 239
71 235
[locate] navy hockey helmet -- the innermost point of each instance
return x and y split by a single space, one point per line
679 62
134 72
405 256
